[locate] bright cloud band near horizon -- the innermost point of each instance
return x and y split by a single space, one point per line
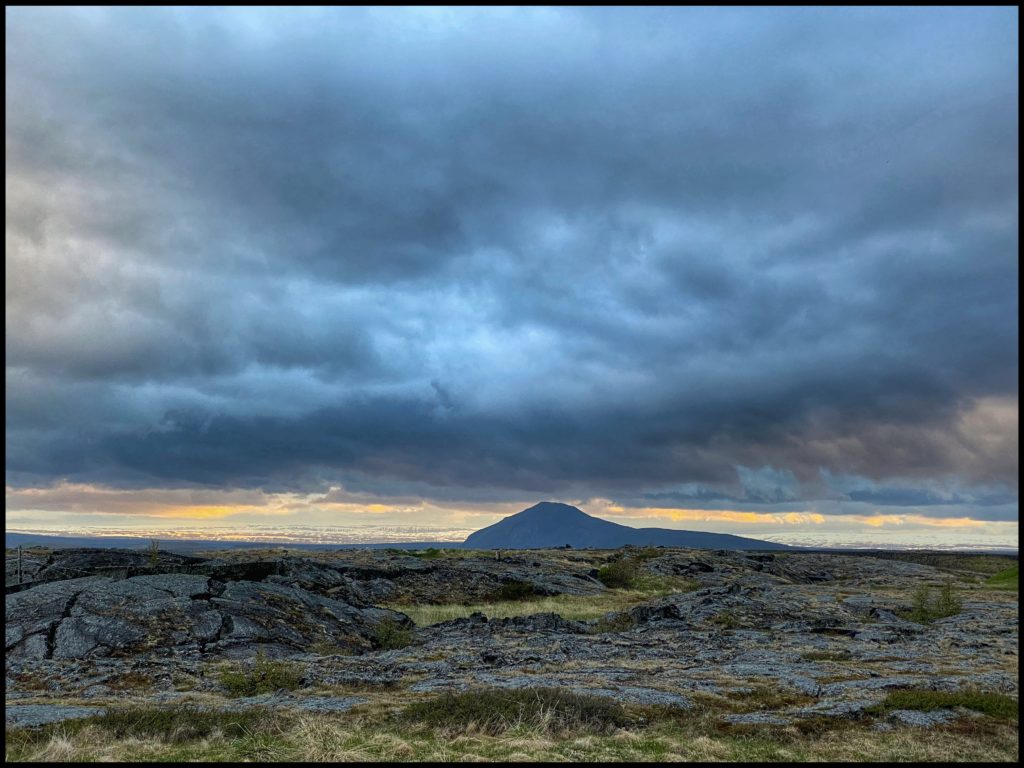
421 268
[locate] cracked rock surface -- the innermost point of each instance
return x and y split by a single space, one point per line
769 638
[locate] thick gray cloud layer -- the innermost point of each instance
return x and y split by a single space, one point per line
671 253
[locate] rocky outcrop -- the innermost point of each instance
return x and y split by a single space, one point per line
770 638
181 614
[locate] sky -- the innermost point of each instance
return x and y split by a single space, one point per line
408 271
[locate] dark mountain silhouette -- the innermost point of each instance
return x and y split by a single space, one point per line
550 524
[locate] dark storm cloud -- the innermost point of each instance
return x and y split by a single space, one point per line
594 251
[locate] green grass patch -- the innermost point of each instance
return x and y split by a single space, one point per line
430 553
826 656
1007 580
995 705
644 554
549 710
174 723
265 676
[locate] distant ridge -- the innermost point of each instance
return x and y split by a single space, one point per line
551 524
194 545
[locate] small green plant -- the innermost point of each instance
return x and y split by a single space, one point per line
153 553
621 574
431 553
266 676
925 610
329 648
390 635
618 622
727 620
551 710
949 602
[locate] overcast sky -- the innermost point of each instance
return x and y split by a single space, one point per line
748 270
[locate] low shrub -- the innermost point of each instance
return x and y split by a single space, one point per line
926 609
514 590
621 574
266 676
390 635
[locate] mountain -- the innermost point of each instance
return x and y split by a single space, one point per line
550 524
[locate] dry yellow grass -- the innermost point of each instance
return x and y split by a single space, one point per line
369 736
573 607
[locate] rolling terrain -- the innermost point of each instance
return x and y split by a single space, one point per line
633 653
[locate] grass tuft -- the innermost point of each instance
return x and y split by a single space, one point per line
495 711
265 676
390 635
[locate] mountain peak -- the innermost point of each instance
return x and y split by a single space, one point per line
554 524
553 510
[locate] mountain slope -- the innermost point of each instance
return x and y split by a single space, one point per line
550 524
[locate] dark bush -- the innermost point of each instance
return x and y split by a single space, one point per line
514 590
390 635
622 574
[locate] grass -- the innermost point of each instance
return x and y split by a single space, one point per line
572 607
1006 579
841 655
995 705
434 553
495 711
170 724
960 563
387 733
766 697
616 622
265 676
727 620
